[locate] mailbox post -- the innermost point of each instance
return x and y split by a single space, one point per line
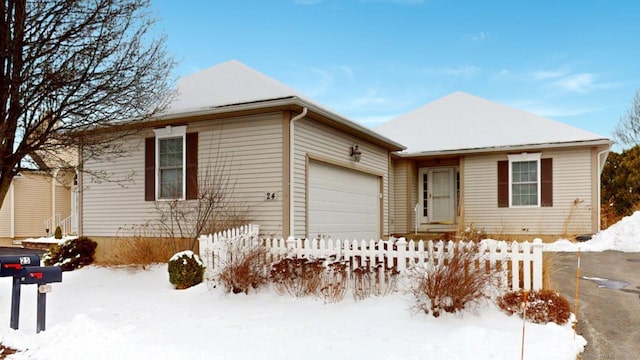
12 265
41 276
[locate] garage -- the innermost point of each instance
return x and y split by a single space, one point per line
343 203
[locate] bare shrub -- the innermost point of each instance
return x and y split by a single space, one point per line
377 280
541 306
297 277
243 265
140 246
215 209
449 287
334 281
471 233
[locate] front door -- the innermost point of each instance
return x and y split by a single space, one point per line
437 195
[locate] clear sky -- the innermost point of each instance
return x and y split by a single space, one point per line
573 61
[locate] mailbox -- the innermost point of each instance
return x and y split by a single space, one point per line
12 265
40 274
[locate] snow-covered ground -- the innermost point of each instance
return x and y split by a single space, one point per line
106 313
621 236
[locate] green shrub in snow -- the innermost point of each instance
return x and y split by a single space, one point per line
72 254
185 270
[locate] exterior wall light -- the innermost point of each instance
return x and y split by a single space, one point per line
356 154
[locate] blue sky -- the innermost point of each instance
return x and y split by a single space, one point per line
573 61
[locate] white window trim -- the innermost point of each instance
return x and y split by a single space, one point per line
524 157
171 132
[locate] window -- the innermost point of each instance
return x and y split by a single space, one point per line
525 180
171 160
170 168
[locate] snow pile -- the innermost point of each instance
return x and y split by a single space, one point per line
621 236
105 313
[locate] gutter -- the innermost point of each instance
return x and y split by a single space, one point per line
486 150
292 156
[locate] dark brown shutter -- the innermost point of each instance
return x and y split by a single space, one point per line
150 169
192 166
503 183
546 179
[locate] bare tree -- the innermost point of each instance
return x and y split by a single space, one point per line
67 66
627 131
215 209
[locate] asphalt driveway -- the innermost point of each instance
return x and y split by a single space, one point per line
609 301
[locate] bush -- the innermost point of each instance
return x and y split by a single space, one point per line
449 287
367 281
244 265
297 277
58 233
185 270
542 306
334 281
72 254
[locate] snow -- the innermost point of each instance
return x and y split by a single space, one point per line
50 239
621 236
228 83
462 121
118 313
187 253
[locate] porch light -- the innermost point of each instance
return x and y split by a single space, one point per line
356 154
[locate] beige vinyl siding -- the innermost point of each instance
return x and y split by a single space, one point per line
412 175
5 215
63 201
248 149
401 196
572 197
315 139
391 196
32 204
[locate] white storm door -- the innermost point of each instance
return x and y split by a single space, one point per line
437 191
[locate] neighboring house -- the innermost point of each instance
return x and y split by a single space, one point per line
473 163
299 168
303 170
36 203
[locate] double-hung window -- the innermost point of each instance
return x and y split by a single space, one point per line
525 180
171 164
170 152
524 177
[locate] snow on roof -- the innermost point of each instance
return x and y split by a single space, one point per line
461 121
228 83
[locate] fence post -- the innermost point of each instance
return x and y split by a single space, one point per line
537 263
401 245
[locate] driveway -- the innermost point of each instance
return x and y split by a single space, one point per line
20 251
608 302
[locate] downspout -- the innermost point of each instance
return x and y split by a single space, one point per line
291 170
600 167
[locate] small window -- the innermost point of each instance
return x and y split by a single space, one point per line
170 145
524 180
171 167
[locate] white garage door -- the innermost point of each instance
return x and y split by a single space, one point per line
343 203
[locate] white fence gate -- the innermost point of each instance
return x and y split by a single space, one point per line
522 260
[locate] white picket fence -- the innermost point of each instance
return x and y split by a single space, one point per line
519 259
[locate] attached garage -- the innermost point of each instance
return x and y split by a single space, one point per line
343 203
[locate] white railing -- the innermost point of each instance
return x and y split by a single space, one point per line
519 259
67 225
51 223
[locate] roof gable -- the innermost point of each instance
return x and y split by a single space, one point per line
228 83
461 121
